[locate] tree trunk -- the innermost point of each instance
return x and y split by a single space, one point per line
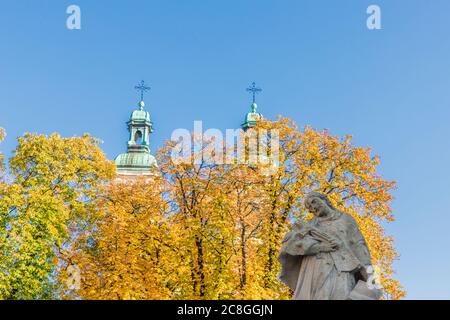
200 264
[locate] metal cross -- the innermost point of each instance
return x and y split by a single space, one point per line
142 88
254 90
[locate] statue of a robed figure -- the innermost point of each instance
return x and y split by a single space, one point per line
326 258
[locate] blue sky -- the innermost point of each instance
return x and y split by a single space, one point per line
315 60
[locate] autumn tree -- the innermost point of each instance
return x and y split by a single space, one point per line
47 199
245 205
206 228
205 231
128 252
316 160
233 215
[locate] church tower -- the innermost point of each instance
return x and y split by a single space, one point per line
138 161
252 117
265 158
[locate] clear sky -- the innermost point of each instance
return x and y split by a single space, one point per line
316 61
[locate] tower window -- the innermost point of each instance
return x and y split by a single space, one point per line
138 137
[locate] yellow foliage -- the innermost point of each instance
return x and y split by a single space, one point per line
316 160
209 231
198 231
46 200
126 252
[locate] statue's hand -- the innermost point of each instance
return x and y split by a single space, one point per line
325 247
336 244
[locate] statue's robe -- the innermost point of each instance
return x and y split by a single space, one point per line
324 275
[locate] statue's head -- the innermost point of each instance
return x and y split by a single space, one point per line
318 204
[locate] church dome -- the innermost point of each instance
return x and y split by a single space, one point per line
140 115
135 162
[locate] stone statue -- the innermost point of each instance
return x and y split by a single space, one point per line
327 257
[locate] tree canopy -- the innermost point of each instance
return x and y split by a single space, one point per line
199 230
46 200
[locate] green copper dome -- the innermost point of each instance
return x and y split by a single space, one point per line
135 162
141 114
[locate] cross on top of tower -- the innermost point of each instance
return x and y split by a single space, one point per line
254 90
142 88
